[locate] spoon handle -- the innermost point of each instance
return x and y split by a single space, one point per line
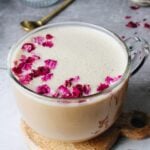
57 10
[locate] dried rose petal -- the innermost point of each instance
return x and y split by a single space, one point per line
56 94
47 77
42 70
26 62
117 78
77 90
135 7
27 66
62 92
68 83
30 60
39 40
51 63
28 47
109 80
75 79
48 44
86 89
49 36
43 89
132 24
35 73
36 57
17 70
147 25
102 87
25 79
127 17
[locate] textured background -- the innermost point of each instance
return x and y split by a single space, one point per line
107 13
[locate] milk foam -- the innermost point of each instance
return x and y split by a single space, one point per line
80 51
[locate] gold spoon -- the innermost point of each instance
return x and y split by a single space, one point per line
30 25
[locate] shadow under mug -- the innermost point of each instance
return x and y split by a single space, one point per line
78 119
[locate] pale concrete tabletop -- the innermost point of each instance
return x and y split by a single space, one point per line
107 13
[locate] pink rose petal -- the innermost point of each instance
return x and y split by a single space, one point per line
62 92
102 87
109 80
27 66
49 36
147 25
43 89
17 70
36 57
25 79
39 40
48 44
30 60
68 83
77 90
47 77
86 89
132 24
28 47
26 62
42 70
51 63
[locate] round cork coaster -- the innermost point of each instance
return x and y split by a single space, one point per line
135 125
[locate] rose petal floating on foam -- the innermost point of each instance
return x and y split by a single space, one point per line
102 87
86 89
62 92
51 63
28 47
47 77
48 44
49 36
38 40
110 80
77 90
17 70
43 89
69 82
40 71
25 79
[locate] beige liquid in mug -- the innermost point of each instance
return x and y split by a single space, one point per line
69 61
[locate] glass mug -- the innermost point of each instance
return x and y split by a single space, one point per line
83 118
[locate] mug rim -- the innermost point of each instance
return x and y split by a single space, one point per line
78 99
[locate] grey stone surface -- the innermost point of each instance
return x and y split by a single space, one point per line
109 14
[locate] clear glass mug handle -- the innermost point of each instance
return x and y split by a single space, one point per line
139 49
